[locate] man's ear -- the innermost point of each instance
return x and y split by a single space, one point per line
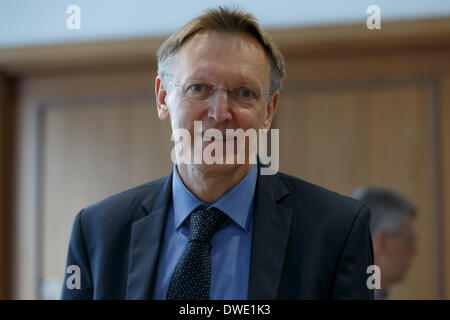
161 94
271 109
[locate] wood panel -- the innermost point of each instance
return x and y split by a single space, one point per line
344 137
401 36
444 131
7 150
92 151
338 66
83 137
3 188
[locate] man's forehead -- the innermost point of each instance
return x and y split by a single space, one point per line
221 73
234 54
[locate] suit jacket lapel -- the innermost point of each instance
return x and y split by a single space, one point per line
146 236
270 237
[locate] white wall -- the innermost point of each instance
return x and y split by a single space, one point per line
36 22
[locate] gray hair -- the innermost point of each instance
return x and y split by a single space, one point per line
389 209
226 20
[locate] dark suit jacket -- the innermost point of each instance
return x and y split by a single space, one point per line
308 243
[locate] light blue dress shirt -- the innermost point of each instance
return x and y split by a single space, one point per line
231 244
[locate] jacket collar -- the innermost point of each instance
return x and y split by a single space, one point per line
146 237
270 237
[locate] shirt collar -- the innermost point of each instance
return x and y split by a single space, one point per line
236 203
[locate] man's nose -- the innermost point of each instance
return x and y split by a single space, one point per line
220 106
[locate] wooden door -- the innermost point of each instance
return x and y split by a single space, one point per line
98 134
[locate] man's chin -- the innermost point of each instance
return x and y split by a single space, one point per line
219 168
223 165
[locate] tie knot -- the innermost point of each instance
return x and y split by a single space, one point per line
205 223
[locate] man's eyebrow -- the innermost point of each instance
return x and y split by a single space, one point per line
194 78
243 81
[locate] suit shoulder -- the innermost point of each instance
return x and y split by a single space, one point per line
323 211
125 203
319 197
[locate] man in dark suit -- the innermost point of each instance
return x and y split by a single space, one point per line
220 230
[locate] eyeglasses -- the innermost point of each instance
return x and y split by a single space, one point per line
203 92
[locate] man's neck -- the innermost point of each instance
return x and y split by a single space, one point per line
210 186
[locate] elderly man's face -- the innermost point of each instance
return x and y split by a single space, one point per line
221 60
394 252
401 249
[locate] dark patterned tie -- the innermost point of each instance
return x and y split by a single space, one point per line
192 276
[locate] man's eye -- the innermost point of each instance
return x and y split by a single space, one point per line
245 93
197 88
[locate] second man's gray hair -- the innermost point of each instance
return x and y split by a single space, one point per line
390 210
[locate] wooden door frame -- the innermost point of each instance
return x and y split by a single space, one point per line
428 37
7 180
